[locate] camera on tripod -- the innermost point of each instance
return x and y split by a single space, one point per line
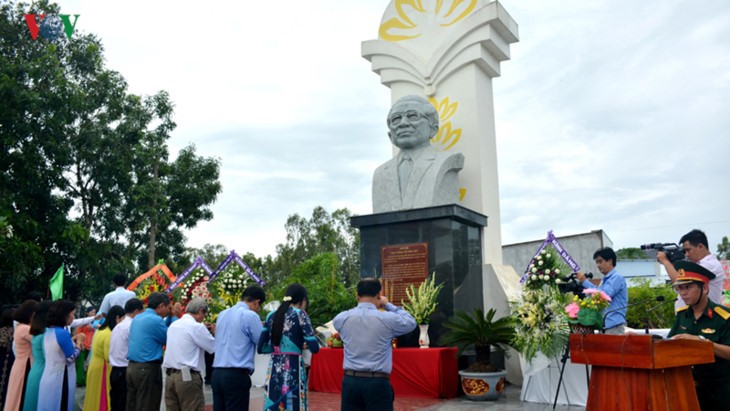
570 284
673 251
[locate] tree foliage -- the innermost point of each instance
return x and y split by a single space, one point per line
322 233
631 253
723 249
87 180
327 294
637 316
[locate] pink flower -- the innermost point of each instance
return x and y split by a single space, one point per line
572 310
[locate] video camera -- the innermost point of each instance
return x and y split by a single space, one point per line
673 251
570 284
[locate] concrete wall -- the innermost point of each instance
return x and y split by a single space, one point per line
580 246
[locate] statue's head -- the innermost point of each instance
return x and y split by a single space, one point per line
412 122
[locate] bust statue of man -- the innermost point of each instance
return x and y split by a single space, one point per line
419 175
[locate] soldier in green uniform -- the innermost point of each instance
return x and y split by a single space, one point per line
704 320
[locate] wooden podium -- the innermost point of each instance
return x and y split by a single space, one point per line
635 372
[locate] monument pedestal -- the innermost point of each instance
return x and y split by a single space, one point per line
453 238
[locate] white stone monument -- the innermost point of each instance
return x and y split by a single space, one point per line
448 51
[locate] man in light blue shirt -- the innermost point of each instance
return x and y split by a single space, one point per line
147 335
612 284
119 296
367 335
237 332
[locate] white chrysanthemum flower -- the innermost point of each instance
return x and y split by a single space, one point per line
539 262
547 255
543 252
557 271
534 269
547 271
533 277
557 281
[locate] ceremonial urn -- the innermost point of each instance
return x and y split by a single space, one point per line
423 340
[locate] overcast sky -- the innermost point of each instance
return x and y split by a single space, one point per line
610 115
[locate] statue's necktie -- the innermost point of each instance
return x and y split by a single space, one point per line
404 173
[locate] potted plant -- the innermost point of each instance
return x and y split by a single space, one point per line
584 315
421 304
481 380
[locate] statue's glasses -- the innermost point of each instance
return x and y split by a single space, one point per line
412 116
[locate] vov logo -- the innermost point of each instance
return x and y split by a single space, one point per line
50 26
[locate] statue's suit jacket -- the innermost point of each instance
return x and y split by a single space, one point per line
433 181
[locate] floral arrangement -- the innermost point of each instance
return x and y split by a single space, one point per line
422 301
542 325
157 282
544 269
335 341
231 282
587 311
196 286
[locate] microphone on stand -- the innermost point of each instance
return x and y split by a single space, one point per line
646 329
658 298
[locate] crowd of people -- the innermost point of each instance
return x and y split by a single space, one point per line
132 346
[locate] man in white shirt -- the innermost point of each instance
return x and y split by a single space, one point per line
187 339
118 348
119 296
697 250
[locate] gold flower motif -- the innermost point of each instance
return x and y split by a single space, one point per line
414 14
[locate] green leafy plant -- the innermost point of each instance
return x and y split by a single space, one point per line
643 290
480 332
422 301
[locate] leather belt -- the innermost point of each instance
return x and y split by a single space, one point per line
171 371
367 374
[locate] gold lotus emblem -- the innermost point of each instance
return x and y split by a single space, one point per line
447 136
414 15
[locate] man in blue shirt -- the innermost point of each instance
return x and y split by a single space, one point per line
612 284
367 335
119 296
237 332
147 335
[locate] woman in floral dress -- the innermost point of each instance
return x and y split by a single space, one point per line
286 333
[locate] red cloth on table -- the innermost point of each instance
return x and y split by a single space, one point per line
417 372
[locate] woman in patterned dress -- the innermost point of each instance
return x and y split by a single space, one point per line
23 358
286 333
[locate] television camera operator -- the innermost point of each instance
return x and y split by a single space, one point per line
696 250
612 284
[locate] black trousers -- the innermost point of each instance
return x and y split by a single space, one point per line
118 388
144 386
366 394
231 389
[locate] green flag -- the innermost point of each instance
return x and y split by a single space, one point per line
56 285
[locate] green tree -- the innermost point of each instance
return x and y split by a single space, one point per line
723 249
87 181
637 316
322 233
631 253
327 294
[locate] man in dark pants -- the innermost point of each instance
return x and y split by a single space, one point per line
118 349
367 335
147 335
703 320
237 333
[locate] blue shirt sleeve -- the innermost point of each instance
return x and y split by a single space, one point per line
63 338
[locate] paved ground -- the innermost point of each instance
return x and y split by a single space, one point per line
510 401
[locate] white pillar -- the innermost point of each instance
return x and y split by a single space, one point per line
449 51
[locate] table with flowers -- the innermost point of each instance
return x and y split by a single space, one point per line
417 372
